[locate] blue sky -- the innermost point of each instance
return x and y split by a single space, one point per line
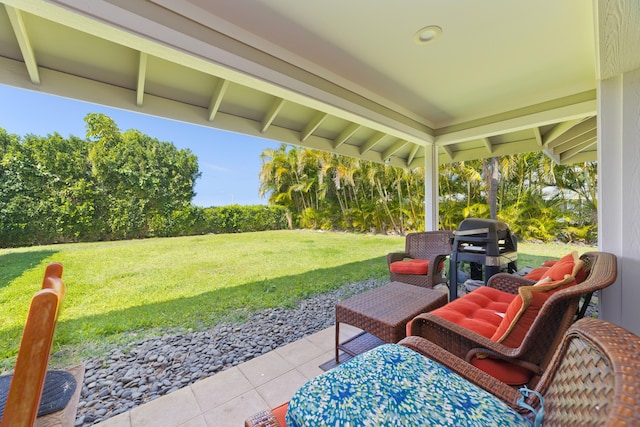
229 162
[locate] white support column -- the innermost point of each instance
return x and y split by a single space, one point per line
431 187
617 25
619 194
610 178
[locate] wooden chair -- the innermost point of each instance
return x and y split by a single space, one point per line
592 381
536 349
432 246
28 380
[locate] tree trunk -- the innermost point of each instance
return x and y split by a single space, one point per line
491 178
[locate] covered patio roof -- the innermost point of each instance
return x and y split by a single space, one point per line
358 78
408 83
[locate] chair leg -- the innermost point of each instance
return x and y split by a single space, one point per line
337 340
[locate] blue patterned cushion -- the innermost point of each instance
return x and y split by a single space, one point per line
394 386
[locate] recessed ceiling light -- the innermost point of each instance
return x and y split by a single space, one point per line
427 34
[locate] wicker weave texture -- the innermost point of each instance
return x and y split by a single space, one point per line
262 419
385 311
596 378
434 246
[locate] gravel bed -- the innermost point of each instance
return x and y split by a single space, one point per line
147 369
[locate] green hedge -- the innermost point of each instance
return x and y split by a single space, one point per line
188 221
224 219
238 219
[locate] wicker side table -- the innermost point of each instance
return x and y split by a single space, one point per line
384 313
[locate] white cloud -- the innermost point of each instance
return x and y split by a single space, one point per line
214 167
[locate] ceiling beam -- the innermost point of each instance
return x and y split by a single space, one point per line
142 76
216 98
449 151
312 126
579 110
581 128
585 156
487 143
375 139
523 146
270 116
569 144
553 156
347 133
393 149
412 154
577 149
558 130
20 31
538 136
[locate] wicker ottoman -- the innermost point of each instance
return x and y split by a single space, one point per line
383 314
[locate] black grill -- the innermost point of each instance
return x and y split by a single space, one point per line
483 243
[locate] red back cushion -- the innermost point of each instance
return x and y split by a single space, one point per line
518 319
524 309
556 269
569 264
536 274
410 266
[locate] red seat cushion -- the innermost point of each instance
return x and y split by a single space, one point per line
410 266
477 310
504 371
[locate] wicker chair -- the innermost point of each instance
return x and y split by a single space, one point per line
554 319
592 380
433 246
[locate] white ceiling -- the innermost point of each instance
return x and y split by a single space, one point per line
506 76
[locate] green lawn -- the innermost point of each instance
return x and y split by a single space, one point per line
123 290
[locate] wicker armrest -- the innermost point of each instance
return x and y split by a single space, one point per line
396 256
480 378
482 352
457 340
262 419
508 282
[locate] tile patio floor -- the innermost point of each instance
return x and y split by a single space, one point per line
231 396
